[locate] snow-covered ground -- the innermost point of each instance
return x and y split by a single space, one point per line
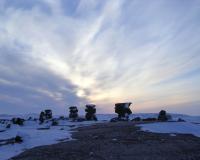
191 126
175 117
33 137
173 127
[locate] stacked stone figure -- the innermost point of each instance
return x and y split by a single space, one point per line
48 114
123 110
42 117
45 115
18 121
162 116
90 112
73 113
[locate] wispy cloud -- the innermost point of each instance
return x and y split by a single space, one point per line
59 53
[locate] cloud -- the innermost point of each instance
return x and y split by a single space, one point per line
28 87
101 52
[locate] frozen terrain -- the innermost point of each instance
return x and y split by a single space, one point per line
34 134
191 126
173 127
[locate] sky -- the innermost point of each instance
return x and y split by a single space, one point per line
58 53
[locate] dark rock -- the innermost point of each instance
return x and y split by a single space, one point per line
42 117
123 110
8 126
90 112
46 121
61 117
45 115
117 119
137 119
149 119
30 118
180 120
114 119
43 128
73 113
162 116
54 122
80 119
72 126
18 139
18 121
48 114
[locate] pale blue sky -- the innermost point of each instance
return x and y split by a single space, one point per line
57 53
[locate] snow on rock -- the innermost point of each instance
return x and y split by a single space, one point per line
172 127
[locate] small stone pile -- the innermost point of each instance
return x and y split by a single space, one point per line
45 115
163 116
123 110
18 121
48 114
73 113
90 112
54 122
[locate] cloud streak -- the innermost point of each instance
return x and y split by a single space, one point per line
60 53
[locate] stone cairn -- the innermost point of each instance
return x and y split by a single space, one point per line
123 110
42 117
48 114
163 116
18 121
73 113
45 115
90 112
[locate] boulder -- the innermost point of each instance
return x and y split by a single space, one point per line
162 116
54 122
18 139
137 119
114 119
149 119
80 119
61 117
29 118
18 121
180 120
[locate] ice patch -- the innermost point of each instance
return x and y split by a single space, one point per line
172 127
